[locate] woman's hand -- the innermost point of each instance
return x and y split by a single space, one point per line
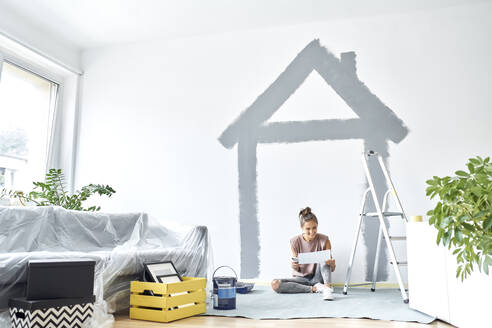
331 263
295 266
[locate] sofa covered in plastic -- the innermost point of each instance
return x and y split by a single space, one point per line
119 243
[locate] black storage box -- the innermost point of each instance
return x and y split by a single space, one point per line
50 279
54 313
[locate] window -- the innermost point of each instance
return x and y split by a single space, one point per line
27 103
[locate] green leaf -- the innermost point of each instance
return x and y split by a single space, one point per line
479 214
475 161
458 271
446 238
458 235
487 224
439 236
432 220
486 263
462 174
468 227
477 191
445 222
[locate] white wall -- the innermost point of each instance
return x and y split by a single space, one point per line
152 112
38 39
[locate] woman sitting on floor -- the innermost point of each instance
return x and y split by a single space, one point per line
308 278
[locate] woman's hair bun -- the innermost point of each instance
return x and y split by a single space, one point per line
305 211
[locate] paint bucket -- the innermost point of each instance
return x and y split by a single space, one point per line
224 290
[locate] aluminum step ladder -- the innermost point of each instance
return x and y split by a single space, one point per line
381 214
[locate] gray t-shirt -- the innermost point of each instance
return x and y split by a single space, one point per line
299 245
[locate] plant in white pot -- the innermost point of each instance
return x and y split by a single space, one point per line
463 215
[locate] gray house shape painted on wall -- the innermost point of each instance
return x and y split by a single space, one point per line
376 125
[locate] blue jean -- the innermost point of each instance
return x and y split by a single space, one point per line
304 284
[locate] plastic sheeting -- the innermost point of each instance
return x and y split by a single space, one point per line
119 243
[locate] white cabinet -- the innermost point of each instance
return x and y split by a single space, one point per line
427 274
470 301
434 288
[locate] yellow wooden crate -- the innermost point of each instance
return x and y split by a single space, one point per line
164 307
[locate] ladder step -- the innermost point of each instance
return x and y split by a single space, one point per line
397 237
364 284
400 263
375 214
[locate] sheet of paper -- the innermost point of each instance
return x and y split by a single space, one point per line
314 257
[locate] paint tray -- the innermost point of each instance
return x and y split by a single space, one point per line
244 287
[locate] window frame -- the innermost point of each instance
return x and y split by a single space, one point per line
26 65
61 153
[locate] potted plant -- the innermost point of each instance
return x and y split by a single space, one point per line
53 191
463 215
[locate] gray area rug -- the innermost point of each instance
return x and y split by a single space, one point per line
263 303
